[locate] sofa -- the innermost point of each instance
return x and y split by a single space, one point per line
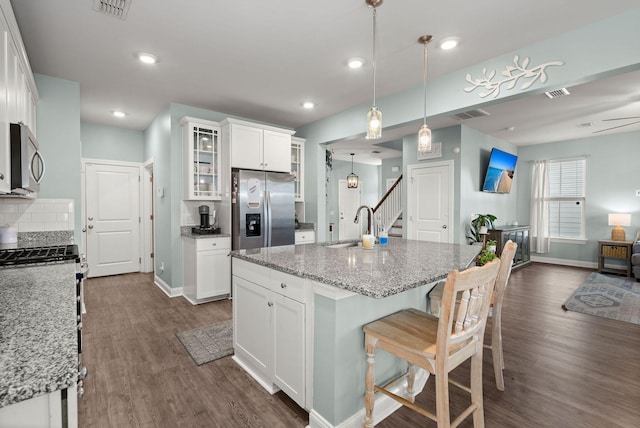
635 257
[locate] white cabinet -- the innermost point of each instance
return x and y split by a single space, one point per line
270 327
305 237
43 411
259 147
297 166
206 268
202 159
18 94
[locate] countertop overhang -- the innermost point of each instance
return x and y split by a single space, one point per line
379 272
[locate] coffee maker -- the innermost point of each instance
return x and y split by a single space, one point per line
205 227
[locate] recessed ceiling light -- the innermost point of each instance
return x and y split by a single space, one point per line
355 62
147 58
449 43
118 113
308 105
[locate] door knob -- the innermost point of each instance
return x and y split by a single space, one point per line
90 226
444 226
84 229
90 218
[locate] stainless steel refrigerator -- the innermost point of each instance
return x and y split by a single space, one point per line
263 209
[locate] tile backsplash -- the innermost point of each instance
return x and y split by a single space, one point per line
189 214
37 215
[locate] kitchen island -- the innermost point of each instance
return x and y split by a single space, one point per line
299 312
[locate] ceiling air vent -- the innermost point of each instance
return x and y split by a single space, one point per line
115 8
557 93
471 114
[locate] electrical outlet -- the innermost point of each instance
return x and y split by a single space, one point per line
161 268
638 192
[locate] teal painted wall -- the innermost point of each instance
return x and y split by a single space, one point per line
386 172
157 142
475 152
612 179
111 143
58 133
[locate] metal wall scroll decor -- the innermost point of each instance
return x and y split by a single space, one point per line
510 77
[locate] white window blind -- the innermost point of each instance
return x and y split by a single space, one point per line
567 198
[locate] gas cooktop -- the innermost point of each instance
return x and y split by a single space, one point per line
54 253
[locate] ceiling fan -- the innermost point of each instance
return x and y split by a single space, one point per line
620 126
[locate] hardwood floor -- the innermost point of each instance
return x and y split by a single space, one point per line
141 376
563 369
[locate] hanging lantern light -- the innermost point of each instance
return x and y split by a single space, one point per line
352 179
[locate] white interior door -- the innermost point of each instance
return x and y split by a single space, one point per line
112 198
430 202
348 202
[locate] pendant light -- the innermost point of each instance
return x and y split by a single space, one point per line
424 136
374 117
352 179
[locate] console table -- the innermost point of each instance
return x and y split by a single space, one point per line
620 250
519 235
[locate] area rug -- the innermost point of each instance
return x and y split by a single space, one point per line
607 296
208 343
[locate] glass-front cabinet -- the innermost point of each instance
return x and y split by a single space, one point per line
201 142
297 170
517 234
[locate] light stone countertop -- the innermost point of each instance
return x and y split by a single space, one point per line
186 232
379 272
38 333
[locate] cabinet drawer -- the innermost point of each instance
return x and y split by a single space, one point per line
287 285
305 237
614 251
251 272
213 244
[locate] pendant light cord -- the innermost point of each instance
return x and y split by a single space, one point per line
374 57
425 82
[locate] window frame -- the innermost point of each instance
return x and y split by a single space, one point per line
582 239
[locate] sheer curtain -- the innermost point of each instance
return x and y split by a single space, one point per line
540 230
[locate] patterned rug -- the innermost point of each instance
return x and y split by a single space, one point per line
607 296
208 343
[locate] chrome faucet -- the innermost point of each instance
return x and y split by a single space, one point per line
371 227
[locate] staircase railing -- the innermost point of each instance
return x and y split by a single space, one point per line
389 208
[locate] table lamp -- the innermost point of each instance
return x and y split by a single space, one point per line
618 220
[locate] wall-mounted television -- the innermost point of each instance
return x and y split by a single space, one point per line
502 166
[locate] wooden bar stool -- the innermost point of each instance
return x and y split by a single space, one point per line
495 311
437 345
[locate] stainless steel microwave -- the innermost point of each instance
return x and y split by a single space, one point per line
27 164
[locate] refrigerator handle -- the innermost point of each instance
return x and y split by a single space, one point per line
267 208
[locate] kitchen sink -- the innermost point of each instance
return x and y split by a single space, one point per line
344 245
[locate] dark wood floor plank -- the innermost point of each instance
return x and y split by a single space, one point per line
563 369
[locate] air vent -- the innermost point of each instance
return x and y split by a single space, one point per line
115 8
471 114
557 93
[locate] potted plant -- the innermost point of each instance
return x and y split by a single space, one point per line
481 220
485 256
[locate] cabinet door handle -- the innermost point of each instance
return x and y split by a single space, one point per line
269 303
283 285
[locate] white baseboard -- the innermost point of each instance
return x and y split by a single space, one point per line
384 406
564 262
271 388
171 292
